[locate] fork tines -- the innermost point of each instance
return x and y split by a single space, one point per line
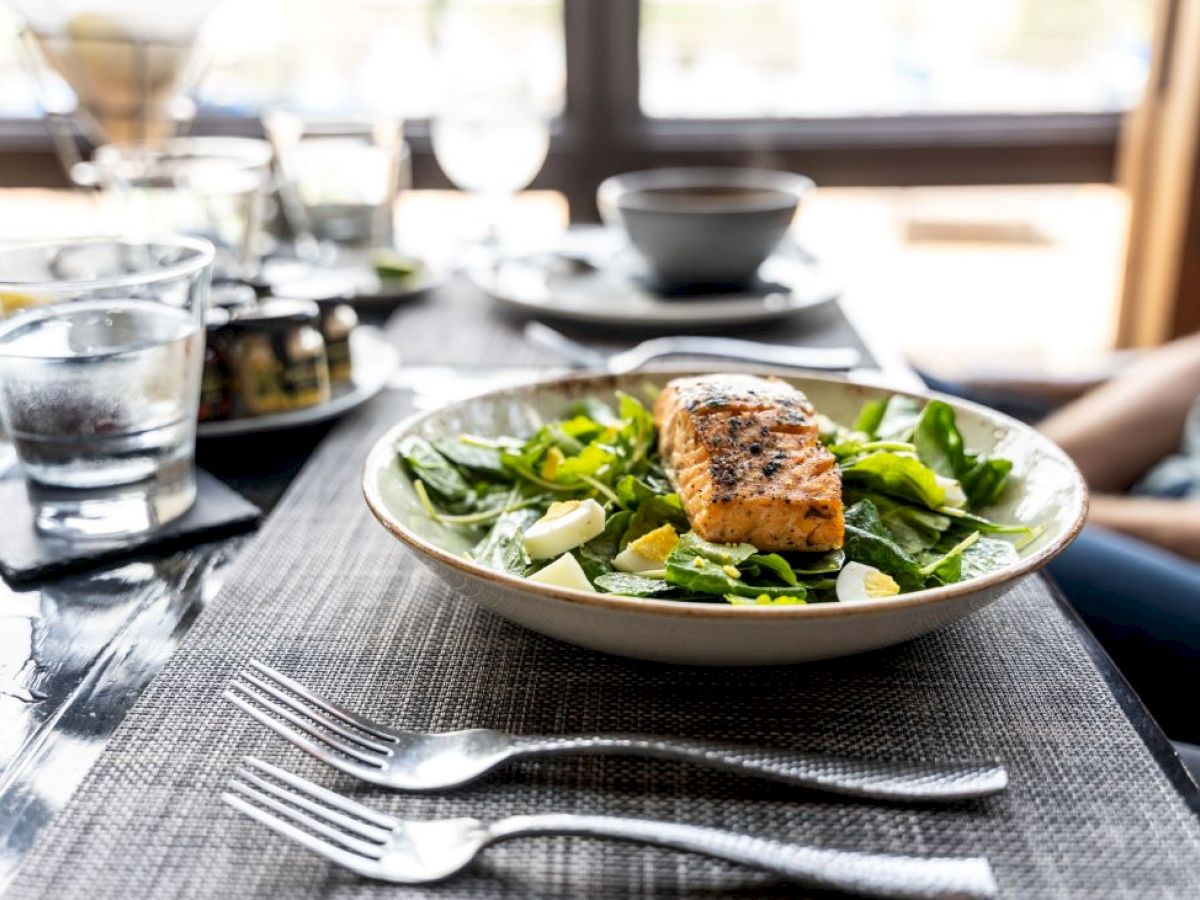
333 735
352 835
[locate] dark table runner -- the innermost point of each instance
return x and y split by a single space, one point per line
325 594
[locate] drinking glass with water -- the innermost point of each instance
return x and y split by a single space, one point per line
100 362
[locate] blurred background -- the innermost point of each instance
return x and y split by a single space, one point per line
1007 185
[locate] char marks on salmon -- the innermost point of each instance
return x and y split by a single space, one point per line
746 457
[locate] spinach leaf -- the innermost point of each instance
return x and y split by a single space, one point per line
940 446
985 480
771 562
868 542
987 555
896 473
594 566
632 585
899 419
607 543
501 547
471 456
913 528
938 440
700 566
595 557
817 563
692 545
713 579
433 469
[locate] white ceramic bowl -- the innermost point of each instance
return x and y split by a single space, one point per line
1046 489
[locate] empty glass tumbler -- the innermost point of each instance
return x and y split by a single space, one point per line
100 360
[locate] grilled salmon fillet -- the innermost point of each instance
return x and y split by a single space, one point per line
746 457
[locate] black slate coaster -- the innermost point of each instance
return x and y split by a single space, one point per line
26 555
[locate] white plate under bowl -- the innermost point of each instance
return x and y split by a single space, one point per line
1046 490
617 294
375 361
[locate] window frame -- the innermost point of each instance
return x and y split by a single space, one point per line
603 131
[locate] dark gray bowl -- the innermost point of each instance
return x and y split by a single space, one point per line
703 227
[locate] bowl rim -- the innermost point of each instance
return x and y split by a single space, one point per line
618 191
385 444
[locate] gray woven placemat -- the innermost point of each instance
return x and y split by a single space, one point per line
326 595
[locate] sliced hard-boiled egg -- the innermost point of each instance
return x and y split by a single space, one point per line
648 552
955 496
564 526
857 581
563 572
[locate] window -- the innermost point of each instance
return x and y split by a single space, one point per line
854 92
734 59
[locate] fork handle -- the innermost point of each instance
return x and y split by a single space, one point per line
837 359
868 874
873 779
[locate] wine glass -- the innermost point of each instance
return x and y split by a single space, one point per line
493 148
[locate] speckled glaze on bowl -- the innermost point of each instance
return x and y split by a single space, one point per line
1046 489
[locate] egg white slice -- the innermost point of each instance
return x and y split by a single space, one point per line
563 572
858 581
564 527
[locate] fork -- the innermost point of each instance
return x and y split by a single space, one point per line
837 359
416 761
406 851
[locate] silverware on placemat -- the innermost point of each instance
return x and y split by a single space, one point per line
379 846
414 761
838 359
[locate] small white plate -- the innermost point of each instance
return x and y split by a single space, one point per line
618 294
375 361
355 281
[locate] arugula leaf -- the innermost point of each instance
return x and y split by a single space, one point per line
637 428
590 460
632 491
868 542
434 470
632 585
896 473
870 417
987 526
654 512
596 410
471 456
501 547
944 565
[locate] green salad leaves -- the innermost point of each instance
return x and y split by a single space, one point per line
913 494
